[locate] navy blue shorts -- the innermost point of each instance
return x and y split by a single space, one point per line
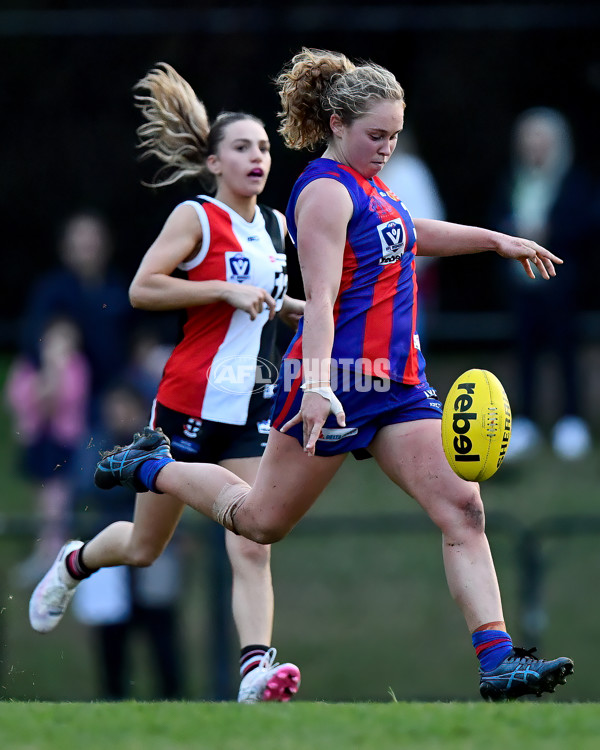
369 404
201 441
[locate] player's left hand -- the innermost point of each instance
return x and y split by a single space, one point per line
529 252
291 311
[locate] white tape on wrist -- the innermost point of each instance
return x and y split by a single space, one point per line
327 393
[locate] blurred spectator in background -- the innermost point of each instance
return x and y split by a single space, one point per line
407 174
545 196
146 362
87 288
49 397
122 602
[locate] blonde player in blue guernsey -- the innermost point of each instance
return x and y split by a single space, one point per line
221 258
353 379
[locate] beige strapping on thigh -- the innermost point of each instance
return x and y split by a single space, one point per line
228 502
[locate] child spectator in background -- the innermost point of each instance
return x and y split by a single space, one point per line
49 401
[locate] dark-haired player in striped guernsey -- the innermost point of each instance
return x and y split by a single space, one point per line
221 259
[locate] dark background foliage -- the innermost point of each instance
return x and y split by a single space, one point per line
68 125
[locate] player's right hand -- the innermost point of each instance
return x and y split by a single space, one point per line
314 410
251 299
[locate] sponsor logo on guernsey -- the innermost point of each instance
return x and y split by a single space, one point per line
393 241
381 208
332 434
238 267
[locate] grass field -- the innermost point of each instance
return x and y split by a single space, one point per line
299 726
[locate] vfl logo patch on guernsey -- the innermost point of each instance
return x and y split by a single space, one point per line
238 267
393 241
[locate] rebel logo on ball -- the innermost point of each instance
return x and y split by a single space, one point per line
461 424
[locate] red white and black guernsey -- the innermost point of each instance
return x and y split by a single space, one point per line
223 357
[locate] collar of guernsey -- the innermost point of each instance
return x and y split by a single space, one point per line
375 311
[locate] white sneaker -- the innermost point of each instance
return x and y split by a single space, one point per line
53 593
270 681
571 438
525 439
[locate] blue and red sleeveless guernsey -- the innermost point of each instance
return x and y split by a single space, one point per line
376 307
219 361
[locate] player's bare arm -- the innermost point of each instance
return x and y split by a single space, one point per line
153 287
323 211
443 238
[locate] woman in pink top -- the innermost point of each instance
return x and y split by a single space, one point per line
49 403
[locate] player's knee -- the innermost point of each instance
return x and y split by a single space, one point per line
269 533
228 502
143 556
235 511
248 553
462 513
473 514
262 528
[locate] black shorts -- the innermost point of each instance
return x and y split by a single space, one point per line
201 441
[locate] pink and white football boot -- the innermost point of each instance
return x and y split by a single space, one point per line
270 681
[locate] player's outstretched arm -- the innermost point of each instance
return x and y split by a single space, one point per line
443 238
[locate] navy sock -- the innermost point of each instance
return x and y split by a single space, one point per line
148 471
492 647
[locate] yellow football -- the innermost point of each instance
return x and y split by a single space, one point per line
476 423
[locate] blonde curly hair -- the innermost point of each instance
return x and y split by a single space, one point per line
177 130
318 83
